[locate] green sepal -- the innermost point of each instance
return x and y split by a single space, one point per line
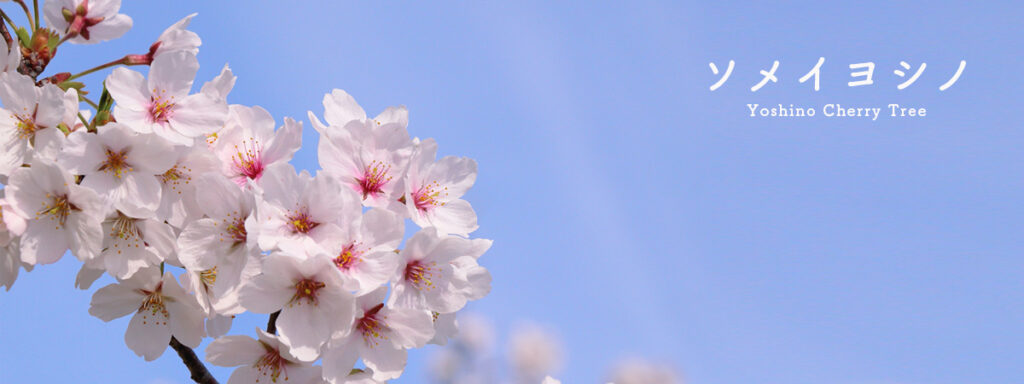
23 37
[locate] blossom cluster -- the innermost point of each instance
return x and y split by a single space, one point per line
191 204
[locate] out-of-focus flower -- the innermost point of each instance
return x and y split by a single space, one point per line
641 371
534 352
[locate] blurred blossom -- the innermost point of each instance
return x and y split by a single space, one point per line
476 334
641 371
444 365
534 352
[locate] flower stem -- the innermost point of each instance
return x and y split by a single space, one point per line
35 7
28 14
195 366
90 102
82 118
123 60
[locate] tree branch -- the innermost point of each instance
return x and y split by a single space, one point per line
272 323
195 366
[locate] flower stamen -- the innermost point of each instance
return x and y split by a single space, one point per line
375 177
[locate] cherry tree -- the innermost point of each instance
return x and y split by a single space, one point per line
191 205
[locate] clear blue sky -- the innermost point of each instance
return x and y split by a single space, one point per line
635 210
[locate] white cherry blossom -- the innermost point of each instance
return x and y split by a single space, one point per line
60 214
178 185
426 277
296 212
262 360
192 206
28 120
248 144
310 296
220 250
92 21
433 191
162 104
161 309
369 156
364 249
131 244
380 335
120 165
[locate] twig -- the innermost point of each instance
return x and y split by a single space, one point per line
272 323
195 366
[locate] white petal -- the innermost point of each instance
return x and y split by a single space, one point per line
341 108
456 217
42 243
233 351
148 334
387 362
305 328
339 358
171 75
111 28
410 328
198 114
114 301
128 88
286 142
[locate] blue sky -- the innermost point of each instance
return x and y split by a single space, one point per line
635 210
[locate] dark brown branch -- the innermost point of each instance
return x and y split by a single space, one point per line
272 323
195 366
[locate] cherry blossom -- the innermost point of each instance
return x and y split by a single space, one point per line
364 249
367 155
178 201
297 211
248 144
162 104
310 296
162 310
131 244
28 120
380 335
426 277
218 248
433 191
89 21
120 165
60 214
265 360
193 206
